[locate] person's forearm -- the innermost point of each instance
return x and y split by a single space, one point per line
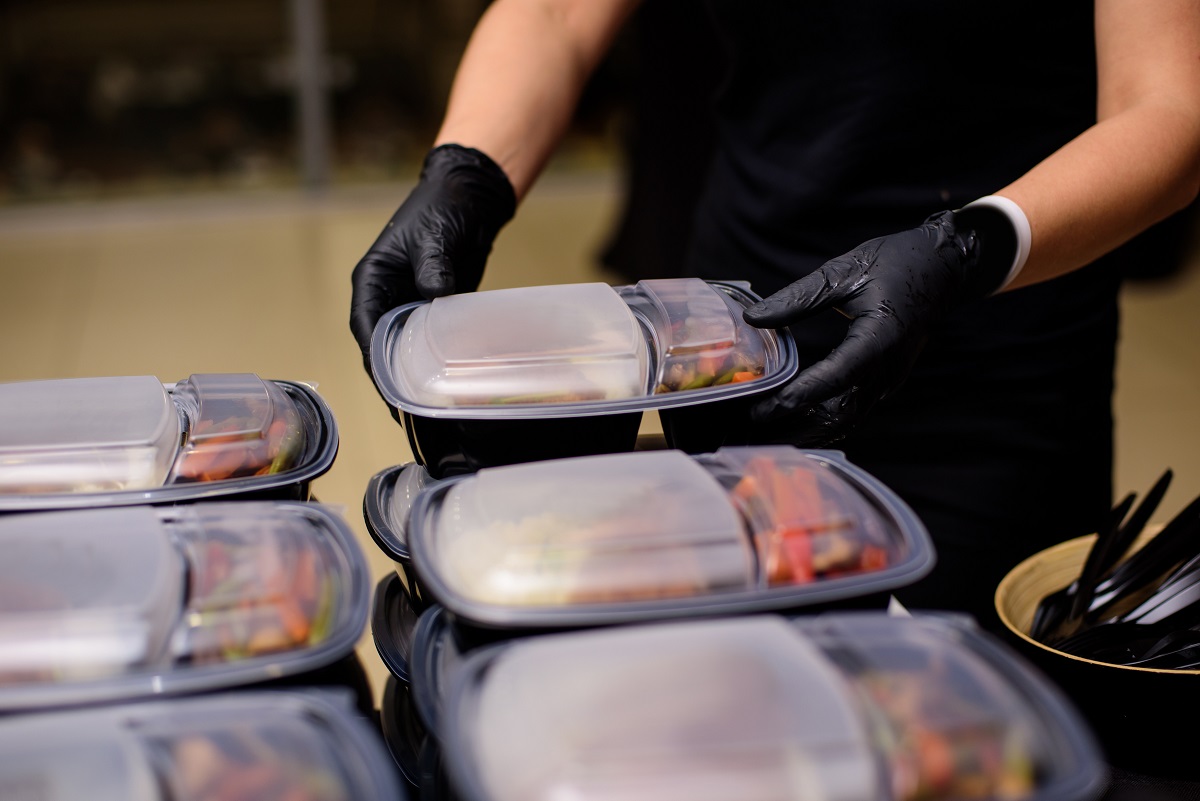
521 76
1141 162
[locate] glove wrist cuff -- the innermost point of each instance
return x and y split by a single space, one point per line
455 162
1004 240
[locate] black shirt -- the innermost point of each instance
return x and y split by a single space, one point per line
844 120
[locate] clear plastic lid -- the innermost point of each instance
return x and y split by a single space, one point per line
288 746
723 709
810 520
703 340
240 426
546 344
78 442
576 349
845 707
387 502
608 529
86 434
613 538
112 603
84 595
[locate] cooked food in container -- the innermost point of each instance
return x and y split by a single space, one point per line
250 746
106 604
845 706
637 536
514 375
120 440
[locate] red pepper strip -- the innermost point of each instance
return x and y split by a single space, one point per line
797 549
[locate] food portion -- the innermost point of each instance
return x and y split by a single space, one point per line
239 426
702 338
591 530
251 761
808 523
947 730
256 586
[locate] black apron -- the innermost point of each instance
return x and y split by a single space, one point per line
842 121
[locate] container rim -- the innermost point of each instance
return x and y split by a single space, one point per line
175 679
918 563
323 452
392 322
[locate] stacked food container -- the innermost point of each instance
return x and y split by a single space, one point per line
161 543
572 616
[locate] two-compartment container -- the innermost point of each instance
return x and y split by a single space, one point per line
844 706
251 746
102 605
533 373
122 440
651 535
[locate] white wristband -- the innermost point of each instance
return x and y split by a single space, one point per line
1020 224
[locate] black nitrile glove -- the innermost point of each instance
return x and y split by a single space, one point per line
437 242
894 289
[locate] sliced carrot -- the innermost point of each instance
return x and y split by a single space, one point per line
744 376
295 622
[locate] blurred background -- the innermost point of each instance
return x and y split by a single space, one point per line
186 186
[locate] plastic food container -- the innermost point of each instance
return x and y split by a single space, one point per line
402 730
298 746
387 502
393 620
844 706
104 604
123 440
517 375
619 538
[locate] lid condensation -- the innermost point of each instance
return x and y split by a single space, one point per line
714 710
613 528
488 348
85 435
85 595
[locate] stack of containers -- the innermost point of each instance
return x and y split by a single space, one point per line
530 511
161 541
535 373
613 539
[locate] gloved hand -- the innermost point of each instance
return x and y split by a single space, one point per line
894 289
437 242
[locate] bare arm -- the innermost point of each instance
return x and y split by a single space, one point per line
1140 162
521 76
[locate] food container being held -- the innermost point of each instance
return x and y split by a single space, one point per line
101 605
287 745
125 440
848 706
621 538
517 375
